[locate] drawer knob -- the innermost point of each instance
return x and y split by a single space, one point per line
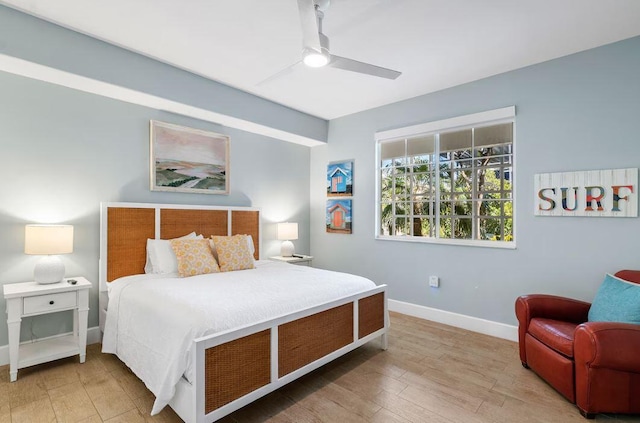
51 302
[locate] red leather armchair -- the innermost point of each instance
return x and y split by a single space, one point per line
595 365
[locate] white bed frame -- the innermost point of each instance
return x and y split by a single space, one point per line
189 400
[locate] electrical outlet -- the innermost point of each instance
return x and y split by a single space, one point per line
434 282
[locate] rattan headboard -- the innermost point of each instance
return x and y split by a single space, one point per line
125 227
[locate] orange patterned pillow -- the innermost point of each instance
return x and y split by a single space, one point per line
233 252
194 257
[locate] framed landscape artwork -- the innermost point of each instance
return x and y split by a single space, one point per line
340 179
188 160
339 216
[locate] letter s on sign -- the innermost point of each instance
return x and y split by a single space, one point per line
552 203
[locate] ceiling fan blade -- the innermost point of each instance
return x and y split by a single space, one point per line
309 24
279 74
360 67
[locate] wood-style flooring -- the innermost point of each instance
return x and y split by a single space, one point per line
430 373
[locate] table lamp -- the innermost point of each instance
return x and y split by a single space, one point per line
48 241
286 232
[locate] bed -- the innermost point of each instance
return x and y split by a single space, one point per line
231 364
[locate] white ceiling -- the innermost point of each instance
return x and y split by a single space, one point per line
435 43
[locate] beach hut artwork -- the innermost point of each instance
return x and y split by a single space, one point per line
340 179
339 216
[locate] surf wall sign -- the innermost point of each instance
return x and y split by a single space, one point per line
593 193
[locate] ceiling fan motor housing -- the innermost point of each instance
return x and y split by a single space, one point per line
315 51
317 59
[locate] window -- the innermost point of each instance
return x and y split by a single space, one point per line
449 181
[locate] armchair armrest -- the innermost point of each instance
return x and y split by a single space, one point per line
549 307
610 345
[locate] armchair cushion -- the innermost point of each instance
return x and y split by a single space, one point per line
616 301
554 334
550 307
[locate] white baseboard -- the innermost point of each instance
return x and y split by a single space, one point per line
487 327
93 337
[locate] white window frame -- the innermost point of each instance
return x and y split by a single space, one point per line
491 117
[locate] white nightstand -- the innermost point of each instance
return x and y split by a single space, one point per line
31 299
303 261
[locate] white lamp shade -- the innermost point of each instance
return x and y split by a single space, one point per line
48 239
287 231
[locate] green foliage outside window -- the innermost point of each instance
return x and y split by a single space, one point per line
470 197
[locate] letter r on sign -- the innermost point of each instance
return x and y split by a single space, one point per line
597 198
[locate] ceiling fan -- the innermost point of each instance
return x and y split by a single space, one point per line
315 52
316 45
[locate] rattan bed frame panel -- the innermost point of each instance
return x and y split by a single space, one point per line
128 230
246 223
370 314
175 223
236 368
305 340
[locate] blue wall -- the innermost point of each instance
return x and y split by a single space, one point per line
65 151
579 112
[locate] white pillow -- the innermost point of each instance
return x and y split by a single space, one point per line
160 256
252 248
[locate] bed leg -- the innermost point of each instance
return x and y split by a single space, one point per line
384 341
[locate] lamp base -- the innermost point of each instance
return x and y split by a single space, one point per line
49 269
287 249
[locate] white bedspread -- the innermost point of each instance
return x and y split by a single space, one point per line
152 320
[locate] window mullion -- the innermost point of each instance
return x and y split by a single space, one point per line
436 197
502 196
475 232
409 195
393 198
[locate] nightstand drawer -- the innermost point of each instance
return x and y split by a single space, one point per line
50 302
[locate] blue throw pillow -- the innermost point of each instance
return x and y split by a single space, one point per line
616 301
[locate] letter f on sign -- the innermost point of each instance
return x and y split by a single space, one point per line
616 195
